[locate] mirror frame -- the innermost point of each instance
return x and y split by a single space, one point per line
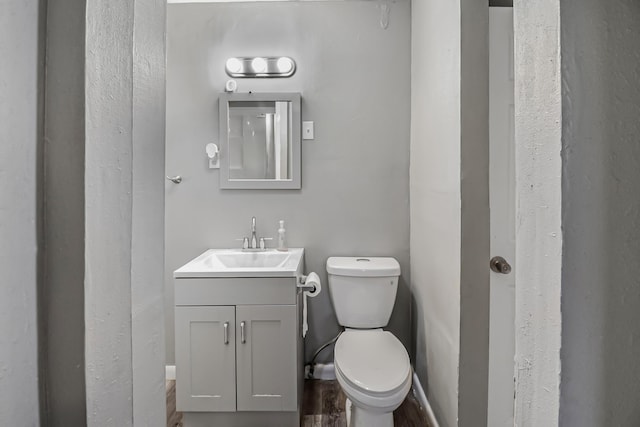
296 157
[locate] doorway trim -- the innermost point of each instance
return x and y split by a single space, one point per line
538 128
124 212
115 127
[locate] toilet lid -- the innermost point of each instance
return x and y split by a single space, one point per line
363 266
373 360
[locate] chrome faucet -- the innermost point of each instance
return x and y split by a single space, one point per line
254 240
254 243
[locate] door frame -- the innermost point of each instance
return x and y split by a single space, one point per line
132 128
502 204
538 127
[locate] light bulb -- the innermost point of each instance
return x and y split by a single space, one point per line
259 65
234 65
285 64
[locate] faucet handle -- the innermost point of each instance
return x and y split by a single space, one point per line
263 244
245 242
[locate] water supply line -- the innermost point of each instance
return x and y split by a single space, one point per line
315 355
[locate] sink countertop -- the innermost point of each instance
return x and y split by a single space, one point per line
238 263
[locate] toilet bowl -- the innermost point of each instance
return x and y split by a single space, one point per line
374 372
372 366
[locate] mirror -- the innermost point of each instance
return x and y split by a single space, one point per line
260 138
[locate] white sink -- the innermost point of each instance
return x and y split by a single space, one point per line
250 259
238 263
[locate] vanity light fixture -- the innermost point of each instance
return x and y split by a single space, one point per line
260 66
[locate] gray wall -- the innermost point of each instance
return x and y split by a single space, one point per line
20 108
354 77
108 207
125 334
63 293
435 202
450 206
474 214
147 240
601 209
124 122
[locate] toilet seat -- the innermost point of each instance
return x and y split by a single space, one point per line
373 363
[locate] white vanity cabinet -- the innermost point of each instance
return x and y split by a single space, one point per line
266 370
206 358
238 345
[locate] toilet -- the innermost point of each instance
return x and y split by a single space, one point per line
372 366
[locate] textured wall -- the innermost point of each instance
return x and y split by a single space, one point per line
108 207
147 244
601 213
538 233
19 135
354 78
124 196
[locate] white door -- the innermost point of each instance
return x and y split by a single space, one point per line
502 203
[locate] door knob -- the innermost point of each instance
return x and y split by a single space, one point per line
175 179
500 265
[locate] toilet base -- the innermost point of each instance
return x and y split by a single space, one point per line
359 417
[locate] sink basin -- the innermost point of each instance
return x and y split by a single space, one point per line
238 263
250 259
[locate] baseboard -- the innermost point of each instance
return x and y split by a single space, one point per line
321 371
170 372
418 391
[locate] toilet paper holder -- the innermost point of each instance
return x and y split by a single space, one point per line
302 284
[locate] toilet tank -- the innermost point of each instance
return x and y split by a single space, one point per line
363 290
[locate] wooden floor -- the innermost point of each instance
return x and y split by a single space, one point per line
174 419
324 401
322 406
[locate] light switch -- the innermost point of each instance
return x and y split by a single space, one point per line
307 130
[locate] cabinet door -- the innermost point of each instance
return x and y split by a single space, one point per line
266 346
205 358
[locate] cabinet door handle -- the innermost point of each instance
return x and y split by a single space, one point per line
243 338
226 332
